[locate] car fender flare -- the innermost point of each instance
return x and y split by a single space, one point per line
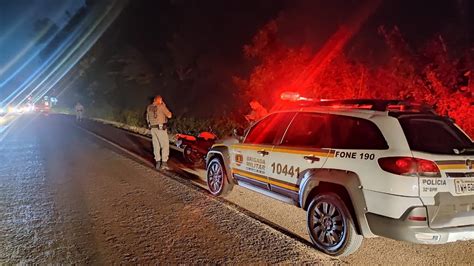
223 152
312 178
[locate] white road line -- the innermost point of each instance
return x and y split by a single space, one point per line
148 163
133 133
109 123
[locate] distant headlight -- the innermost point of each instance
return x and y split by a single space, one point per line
12 110
28 108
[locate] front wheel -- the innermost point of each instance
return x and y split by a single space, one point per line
217 178
331 227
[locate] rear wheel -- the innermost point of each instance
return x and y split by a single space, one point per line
331 227
217 181
193 157
187 154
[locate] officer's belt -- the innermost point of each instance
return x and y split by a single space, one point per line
160 126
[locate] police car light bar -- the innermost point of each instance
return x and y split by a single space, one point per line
290 96
366 104
294 97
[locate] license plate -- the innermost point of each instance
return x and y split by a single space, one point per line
464 186
460 236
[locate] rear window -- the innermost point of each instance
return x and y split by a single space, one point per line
435 135
356 133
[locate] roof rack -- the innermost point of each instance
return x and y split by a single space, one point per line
364 104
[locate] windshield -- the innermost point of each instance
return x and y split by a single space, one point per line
435 135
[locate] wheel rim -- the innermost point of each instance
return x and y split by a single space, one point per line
328 225
215 177
188 154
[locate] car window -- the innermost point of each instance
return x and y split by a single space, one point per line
307 130
434 135
333 131
269 130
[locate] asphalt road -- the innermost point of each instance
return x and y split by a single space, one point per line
67 197
293 219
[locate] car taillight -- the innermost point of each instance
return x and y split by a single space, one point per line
409 166
426 166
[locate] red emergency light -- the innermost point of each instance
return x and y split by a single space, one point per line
365 104
294 96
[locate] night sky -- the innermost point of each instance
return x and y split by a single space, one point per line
217 30
17 20
221 28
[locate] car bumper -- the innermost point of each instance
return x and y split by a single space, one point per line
417 231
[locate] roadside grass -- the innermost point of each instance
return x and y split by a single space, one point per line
221 126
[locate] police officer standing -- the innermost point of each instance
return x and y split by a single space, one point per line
79 111
258 112
157 115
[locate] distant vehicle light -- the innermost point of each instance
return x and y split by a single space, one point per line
13 110
27 108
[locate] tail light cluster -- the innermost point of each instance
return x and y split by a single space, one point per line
409 166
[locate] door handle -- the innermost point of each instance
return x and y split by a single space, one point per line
263 152
311 158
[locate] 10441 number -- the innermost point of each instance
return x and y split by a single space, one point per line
284 169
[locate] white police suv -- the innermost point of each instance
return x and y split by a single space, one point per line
361 168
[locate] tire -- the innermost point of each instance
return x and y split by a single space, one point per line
192 158
217 181
187 154
331 226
